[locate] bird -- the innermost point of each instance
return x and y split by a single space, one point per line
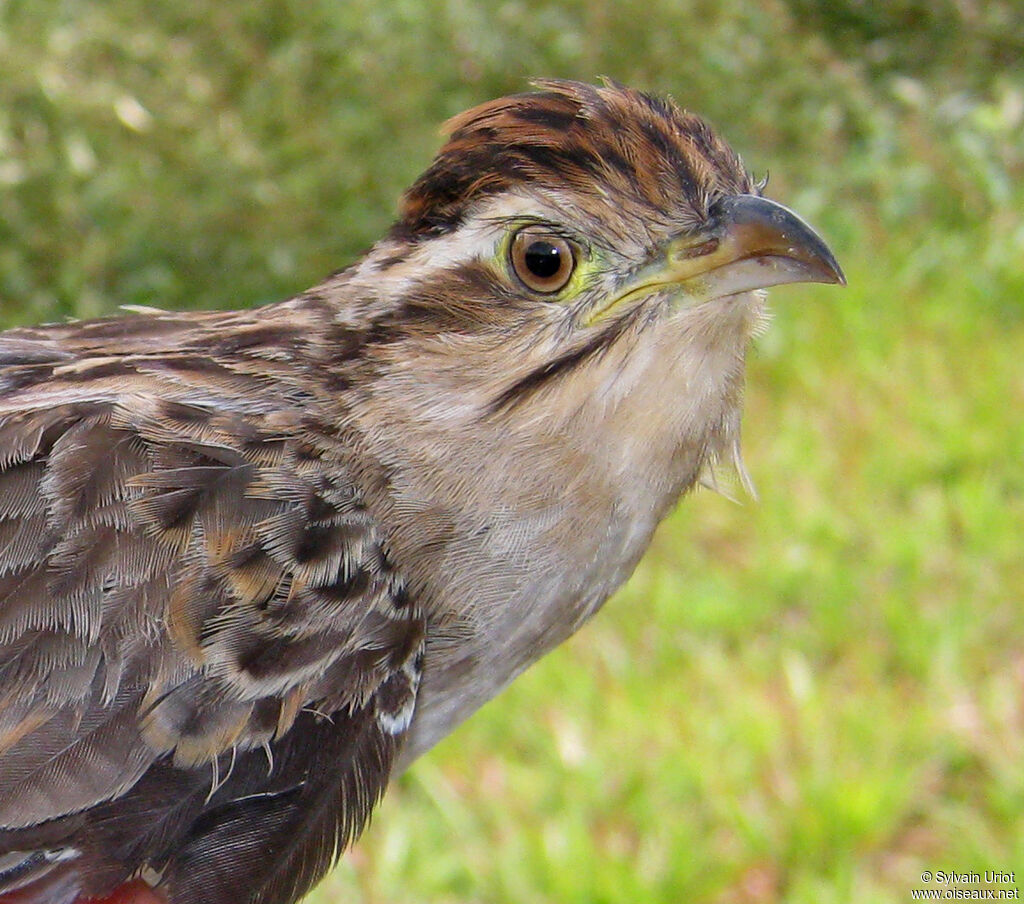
253 563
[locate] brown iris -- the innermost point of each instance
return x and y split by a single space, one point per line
542 260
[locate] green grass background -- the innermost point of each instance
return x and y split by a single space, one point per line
809 698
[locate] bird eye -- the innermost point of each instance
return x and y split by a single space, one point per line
542 261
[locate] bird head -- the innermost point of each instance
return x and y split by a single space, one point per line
558 225
575 277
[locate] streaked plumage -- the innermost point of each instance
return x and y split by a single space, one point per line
249 559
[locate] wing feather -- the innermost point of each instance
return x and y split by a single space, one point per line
195 603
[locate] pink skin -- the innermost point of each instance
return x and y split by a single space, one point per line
134 892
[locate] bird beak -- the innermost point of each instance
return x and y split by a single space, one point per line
748 243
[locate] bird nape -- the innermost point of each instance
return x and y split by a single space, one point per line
253 562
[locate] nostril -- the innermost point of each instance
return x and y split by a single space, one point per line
699 250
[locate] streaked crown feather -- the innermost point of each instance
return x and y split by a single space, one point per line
607 141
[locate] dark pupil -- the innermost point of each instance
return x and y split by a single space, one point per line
543 259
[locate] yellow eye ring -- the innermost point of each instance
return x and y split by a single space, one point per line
541 260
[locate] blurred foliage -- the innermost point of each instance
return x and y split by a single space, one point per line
810 699
966 41
225 154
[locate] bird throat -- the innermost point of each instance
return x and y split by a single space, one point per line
531 517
